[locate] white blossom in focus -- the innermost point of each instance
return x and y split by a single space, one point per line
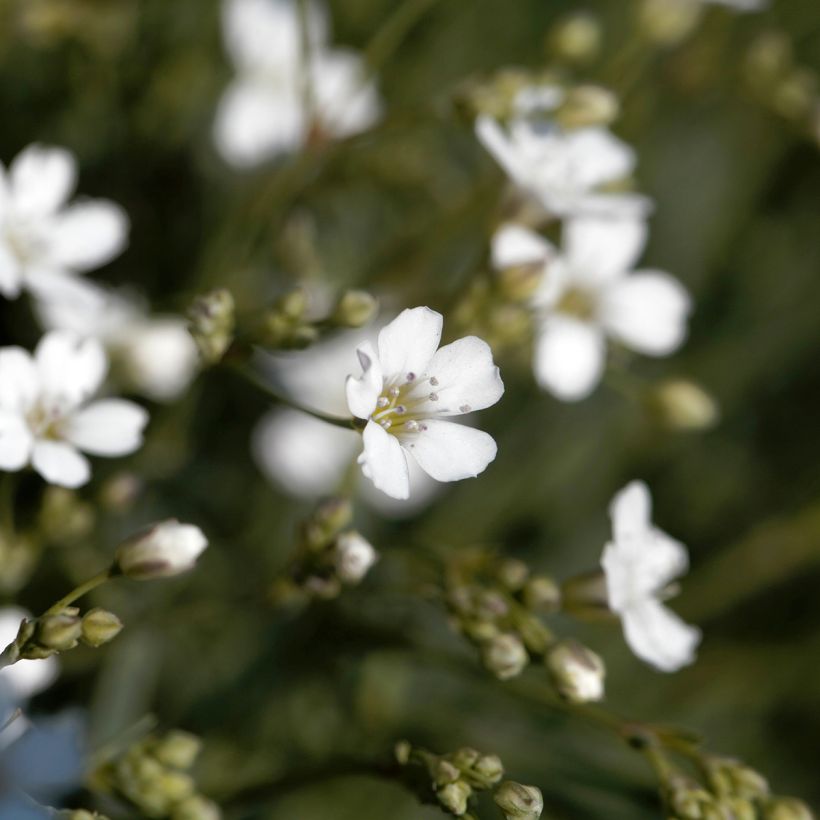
407 388
640 564
43 239
589 293
268 110
563 169
353 557
154 355
162 550
45 415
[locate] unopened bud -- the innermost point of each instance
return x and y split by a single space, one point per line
740 809
165 549
293 304
485 772
588 105
505 656
787 808
444 772
684 405
353 557
213 322
536 636
513 574
466 757
576 38
100 626
196 807
542 594
769 59
667 22
402 751
354 309
519 802
330 517
59 632
454 797
577 672
796 95
176 786
178 750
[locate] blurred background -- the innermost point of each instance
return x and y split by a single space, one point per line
284 700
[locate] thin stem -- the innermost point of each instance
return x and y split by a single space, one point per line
389 37
82 589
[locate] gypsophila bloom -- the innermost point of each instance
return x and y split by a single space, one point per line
563 169
43 240
353 556
640 563
154 355
589 292
45 417
406 390
266 111
162 550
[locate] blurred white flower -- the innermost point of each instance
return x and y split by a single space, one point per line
154 355
640 563
43 240
738 5
160 551
353 556
404 391
563 169
264 112
45 419
588 293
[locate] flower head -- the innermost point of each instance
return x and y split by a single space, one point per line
43 240
164 549
405 392
640 563
45 417
589 292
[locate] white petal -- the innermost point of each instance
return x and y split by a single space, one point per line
19 381
515 245
601 249
41 179
569 358
597 157
10 273
302 455
59 463
111 427
466 379
15 442
71 369
494 138
630 511
89 234
383 461
346 100
256 122
27 677
362 393
659 637
647 312
448 451
408 343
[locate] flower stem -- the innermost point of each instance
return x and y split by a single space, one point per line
388 38
7 505
82 589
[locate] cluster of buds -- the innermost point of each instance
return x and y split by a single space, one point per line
213 324
452 780
329 555
290 323
498 604
154 776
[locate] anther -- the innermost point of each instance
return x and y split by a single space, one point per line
433 397
410 377
382 401
412 426
465 408
434 381
394 392
386 423
399 408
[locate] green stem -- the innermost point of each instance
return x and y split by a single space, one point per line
389 37
7 485
82 589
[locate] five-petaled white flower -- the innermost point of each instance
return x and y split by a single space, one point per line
640 563
588 293
563 169
280 94
405 391
44 415
43 240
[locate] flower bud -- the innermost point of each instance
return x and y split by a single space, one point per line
444 772
353 557
667 22
165 549
328 519
354 309
196 807
100 626
505 656
683 405
178 749
513 574
519 802
454 797
576 38
740 809
176 786
787 808
485 772
465 758
542 594
59 632
402 750
588 105
577 672
212 317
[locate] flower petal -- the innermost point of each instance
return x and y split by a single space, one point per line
514 245
71 369
448 451
597 156
15 441
384 462
466 379
41 179
111 427
362 393
347 102
600 249
569 358
647 312
59 463
11 277
19 381
659 637
408 343
630 511
89 234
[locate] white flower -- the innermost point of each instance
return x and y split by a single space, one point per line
43 240
563 169
45 419
405 390
738 5
155 355
264 111
162 550
588 293
353 556
640 563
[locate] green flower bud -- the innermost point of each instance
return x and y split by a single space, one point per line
485 772
328 519
293 304
787 808
196 807
100 626
740 809
465 758
178 750
59 632
454 797
444 772
536 636
576 38
513 574
176 786
577 672
519 802
354 309
213 321
402 751
588 105
667 22
505 656
683 405
542 594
